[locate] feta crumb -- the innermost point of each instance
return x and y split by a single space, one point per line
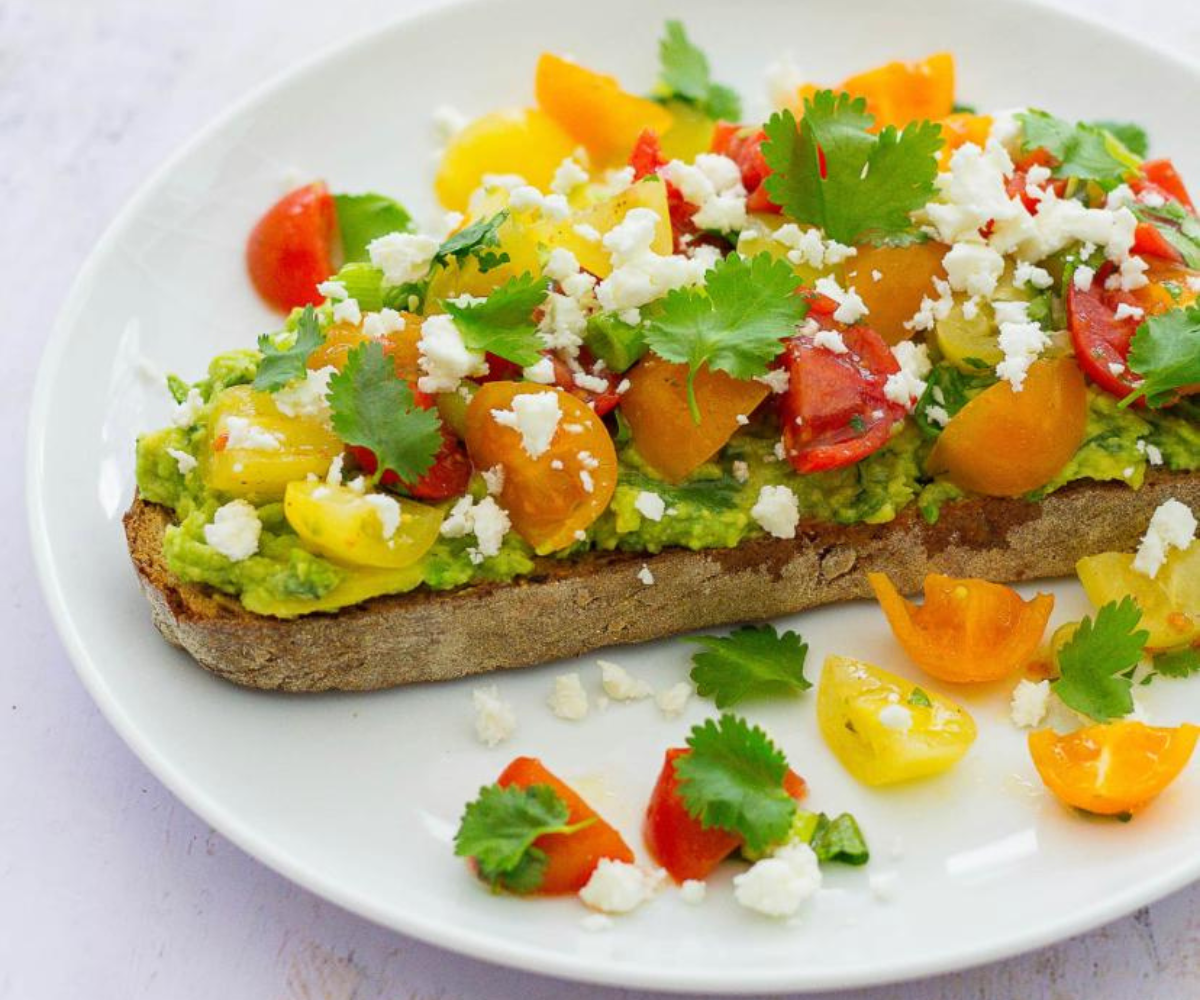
568 177
347 311
334 475
380 324
495 719
907 385
541 372
184 461
850 306
1172 526
402 257
493 479
1127 311
876 275
619 684
650 505
937 415
1030 274
444 357
693 891
619 887
777 511
387 510
777 380
778 885
646 576
896 717
1021 339
831 340
560 265
973 268
1154 454
1030 703
587 232
674 699
591 383
487 521
188 412
535 416
234 531
305 397
242 435
568 700
741 471
713 183
333 289
586 481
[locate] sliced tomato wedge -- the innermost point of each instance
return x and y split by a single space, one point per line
447 477
1149 241
743 144
1162 175
289 251
1101 340
600 402
834 412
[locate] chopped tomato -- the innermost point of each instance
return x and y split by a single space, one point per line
666 435
1149 241
646 159
600 403
1101 340
967 630
680 843
1006 443
447 477
905 277
1112 769
834 412
289 251
571 857
647 155
1017 184
1163 175
561 491
743 144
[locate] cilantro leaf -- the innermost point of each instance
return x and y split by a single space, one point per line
1083 151
1178 663
280 365
364 217
1132 137
733 780
749 662
685 75
1097 664
839 839
869 184
738 327
476 240
1165 352
498 830
374 408
503 323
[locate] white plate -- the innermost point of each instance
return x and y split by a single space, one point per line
356 797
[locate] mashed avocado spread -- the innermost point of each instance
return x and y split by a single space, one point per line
710 509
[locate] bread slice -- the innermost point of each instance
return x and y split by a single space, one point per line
575 606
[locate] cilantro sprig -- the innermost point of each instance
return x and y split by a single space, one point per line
1084 151
280 365
752 661
684 74
499 828
737 324
832 172
1177 663
503 323
1131 135
374 408
1098 663
476 240
1165 352
733 780
365 217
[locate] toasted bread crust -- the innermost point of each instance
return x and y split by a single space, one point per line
573 607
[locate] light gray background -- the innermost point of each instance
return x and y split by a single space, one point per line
108 887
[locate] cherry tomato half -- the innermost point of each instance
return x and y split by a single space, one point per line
289 250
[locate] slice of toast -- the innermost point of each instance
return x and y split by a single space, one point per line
575 606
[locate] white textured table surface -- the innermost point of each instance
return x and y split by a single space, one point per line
108 887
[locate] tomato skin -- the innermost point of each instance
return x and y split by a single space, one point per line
968 630
289 251
1163 175
647 155
600 403
906 277
743 144
647 158
827 392
447 477
1100 339
571 857
1112 769
677 841
1148 241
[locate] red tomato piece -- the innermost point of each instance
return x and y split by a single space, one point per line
1149 241
834 412
1101 340
289 251
1163 175
677 841
599 402
571 857
500 370
447 477
646 159
647 155
743 145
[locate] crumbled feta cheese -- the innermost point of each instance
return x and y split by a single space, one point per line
639 275
973 268
402 257
619 887
587 232
305 397
242 435
674 699
1126 311
568 700
347 311
380 324
387 510
1030 274
493 479
1154 454
541 372
1152 199
568 177
619 684
1172 526
334 475
693 891
333 289
937 415
1021 339
495 719
443 356
973 194
741 471
1030 703
777 380
646 576
896 717
1083 277
713 183
777 511
850 306
563 322
188 412
650 505
778 885
591 383
831 340
907 385
486 520
560 265
184 461
535 416
234 531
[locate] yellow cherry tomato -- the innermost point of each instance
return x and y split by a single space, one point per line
1170 603
884 731
905 277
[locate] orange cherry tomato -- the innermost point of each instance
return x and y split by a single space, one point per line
571 857
594 108
958 129
1112 769
898 93
656 407
680 843
967 630
905 277
289 251
1005 443
564 489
